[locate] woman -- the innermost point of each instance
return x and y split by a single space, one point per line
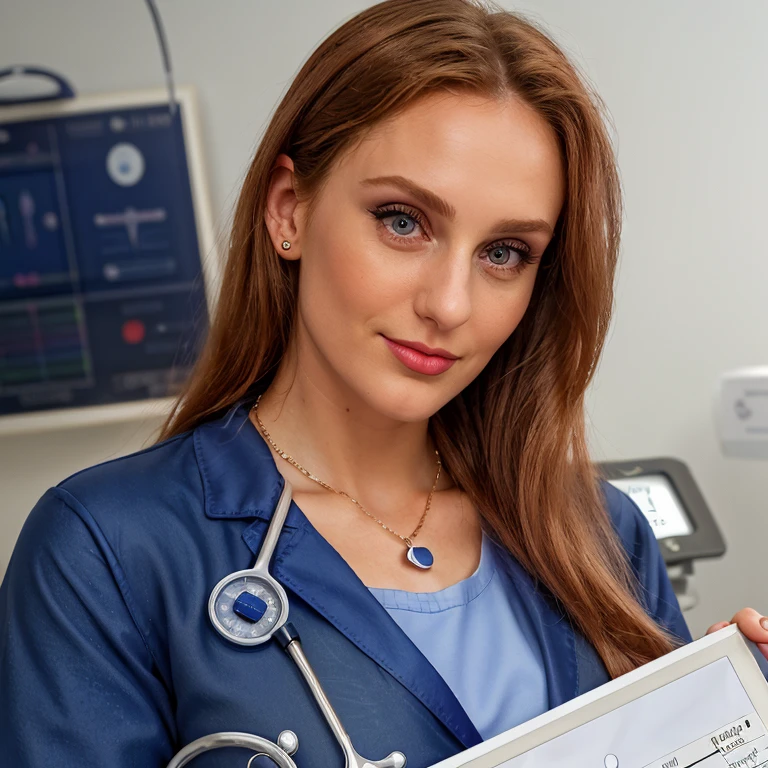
417 291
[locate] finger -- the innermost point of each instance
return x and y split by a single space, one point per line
752 624
718 626
763 647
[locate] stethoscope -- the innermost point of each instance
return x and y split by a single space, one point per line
248 608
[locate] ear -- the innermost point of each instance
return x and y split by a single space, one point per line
281 215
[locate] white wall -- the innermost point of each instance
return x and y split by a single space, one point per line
687 84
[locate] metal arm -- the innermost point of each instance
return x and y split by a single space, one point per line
288 637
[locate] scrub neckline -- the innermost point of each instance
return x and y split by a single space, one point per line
453 596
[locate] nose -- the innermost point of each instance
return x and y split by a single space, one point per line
444 294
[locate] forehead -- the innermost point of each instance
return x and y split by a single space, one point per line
497 155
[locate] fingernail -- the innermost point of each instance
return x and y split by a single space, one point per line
764 623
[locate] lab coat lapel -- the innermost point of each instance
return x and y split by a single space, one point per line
306 564
554 632
240 480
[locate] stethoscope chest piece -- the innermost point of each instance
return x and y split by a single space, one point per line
248 607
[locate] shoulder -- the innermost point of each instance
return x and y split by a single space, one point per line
158 463
175 490
110 537
82 601
132 512
133 489
639 542
123 514
623 512
630 524
633 530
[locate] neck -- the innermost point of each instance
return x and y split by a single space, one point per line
341 440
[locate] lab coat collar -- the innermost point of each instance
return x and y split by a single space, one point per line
239 475
240 480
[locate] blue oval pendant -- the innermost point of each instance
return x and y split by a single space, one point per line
421 557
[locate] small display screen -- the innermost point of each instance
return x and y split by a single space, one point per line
659 502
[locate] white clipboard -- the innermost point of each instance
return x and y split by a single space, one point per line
702 705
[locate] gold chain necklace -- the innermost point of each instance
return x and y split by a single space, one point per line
421 557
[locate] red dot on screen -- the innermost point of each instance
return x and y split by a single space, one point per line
133 331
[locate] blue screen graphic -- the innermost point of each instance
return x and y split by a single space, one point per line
102 298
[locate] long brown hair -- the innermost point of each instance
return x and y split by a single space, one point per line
513 440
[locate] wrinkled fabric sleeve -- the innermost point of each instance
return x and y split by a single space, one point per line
639 541
78 682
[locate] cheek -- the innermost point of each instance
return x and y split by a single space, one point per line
498 315
348 275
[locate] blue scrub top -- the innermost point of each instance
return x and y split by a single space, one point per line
108 658
478 635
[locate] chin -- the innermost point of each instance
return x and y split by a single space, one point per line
409 401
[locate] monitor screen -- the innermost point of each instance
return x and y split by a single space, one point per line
658 501
102 297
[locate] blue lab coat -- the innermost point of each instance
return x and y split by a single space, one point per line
108 657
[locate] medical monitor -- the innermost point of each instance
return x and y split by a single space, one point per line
107 263
668 496
659 502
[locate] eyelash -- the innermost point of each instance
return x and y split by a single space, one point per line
385 211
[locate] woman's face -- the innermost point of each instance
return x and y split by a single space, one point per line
428 234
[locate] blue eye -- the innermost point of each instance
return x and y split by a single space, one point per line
501 254
505 258
402 220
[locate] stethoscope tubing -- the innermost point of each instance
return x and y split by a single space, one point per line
275 529
288 638
296 652
231 739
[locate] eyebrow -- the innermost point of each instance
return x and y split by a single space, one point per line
444 208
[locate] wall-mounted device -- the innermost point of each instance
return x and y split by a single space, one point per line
741 412
670 499
107 262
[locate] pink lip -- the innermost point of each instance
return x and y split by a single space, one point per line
421 358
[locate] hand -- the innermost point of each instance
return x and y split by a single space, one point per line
752 624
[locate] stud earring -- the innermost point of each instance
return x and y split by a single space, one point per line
286 245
